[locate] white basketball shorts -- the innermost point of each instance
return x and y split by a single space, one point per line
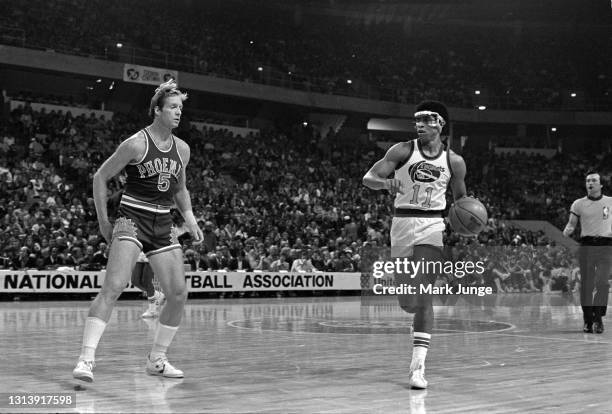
407 232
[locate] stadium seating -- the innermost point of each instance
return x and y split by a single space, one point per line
255 202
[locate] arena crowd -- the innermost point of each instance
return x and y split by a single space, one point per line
403 62
278 201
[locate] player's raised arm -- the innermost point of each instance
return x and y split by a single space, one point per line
131 149
182 197
457 181
377 177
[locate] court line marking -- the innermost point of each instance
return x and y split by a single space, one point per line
450 331
497 332
454 332
551 338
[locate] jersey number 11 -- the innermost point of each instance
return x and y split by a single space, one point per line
415 196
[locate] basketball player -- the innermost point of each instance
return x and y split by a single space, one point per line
155 162
595 254
423 171
142 278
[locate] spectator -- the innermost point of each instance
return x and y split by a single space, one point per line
303 263
210 237
100 257
53 261
24 260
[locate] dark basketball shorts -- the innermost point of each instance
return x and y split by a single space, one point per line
152 229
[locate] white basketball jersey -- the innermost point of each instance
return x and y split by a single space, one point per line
424 180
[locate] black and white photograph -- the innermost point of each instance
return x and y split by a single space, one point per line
305 206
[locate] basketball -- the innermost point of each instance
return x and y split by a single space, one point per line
467 216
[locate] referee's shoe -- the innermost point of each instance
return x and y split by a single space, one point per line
598 326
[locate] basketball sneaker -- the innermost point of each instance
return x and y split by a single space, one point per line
155 304
417 378
84 370
160 366
588 327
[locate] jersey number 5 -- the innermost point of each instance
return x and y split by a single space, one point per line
163 184
415 196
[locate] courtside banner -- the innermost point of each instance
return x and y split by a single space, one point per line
148 74
36 281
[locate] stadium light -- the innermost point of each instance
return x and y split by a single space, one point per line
349 81
98 80
476 92
573 94
553 129
305 123
482 107
251 42
260 69
119 45
112 85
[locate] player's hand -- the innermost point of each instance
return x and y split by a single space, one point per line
567 232
196 233
106 229
394 186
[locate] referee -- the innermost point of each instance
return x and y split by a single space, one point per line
595 255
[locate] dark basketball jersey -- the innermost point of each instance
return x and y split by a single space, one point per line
154 178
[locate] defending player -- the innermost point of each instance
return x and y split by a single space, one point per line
423 171
155 162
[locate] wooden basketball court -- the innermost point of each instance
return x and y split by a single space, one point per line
525 354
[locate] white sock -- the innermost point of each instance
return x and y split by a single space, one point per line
163 338
419 350
94 328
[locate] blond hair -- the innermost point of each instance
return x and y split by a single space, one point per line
169 88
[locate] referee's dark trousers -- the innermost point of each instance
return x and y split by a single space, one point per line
595 257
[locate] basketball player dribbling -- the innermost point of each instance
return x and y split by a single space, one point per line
155 162
423 171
